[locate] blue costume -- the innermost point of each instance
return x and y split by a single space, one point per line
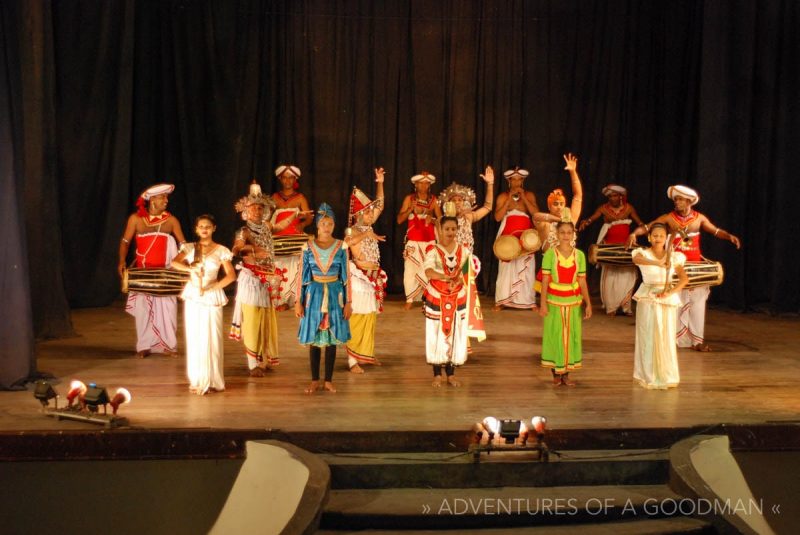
323 294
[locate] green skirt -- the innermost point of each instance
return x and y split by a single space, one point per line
561 338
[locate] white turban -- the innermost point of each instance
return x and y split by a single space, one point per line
683 191
427 177
291 168
614 188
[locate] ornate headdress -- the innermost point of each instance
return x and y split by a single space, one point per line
358 203
683 191
556 195
255 196
456 190
152 191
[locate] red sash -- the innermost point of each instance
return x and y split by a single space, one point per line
516 224
692 251
419 230
151 250
617 233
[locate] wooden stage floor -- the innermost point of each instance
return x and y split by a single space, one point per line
751 377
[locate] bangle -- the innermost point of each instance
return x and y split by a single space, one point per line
126 241
646 227
717 232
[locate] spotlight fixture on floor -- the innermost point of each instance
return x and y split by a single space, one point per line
122 396
76 390
44 392
96 396
510 430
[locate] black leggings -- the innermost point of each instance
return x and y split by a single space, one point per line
449 369
315 355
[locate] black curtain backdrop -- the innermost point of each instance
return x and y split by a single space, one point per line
210 94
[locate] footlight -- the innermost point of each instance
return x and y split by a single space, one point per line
44 392
492 426
122 396
76 390
539 426
96 396
510 430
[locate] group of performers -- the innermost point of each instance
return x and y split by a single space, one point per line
337 287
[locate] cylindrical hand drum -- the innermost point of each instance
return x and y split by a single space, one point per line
289 244
610 253
160 281
705 273
530 240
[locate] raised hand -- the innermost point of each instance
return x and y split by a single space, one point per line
380 174
572 162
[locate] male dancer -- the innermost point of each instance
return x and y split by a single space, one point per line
155 231
617 283
514 211
686 224
289 202
419 209
367 279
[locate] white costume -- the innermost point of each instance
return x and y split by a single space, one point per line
616 282
203 323
655 355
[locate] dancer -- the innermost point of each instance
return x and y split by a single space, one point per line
685 225
459 201
290 204
655 362
203 299
514 210
616 282
563 290
367 279
155 230
546 222
445 303
323 298
254 318
420 209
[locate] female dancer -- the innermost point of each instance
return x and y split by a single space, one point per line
563 289
445 301
323 300
655 363
203 301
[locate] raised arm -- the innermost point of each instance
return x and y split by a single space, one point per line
488 202
577 188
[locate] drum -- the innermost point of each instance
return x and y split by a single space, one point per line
158 282
290 244
704 273
507 248
530 240
610 253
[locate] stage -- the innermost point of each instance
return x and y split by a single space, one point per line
751 377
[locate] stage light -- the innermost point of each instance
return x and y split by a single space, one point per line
479 430
44 392
122 396
95 396
510 430
539 426
76 390
492 426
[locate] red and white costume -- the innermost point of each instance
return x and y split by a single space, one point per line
445 308
419 236
515 278
156 317
289 264
617 283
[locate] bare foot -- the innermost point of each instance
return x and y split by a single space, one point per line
313 387
377 363
256 372
565 380
408 305
628 313
142 354
452 381
171 353
355 368
437 381
282 308
329 387
611 314
556 380
535 307
702 348
497 308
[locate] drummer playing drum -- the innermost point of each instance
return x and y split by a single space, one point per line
155 230
617 282
514 210
686 223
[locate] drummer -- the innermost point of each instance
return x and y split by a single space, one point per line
686 223
254 318
155 231
514 210
289 201
617 283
